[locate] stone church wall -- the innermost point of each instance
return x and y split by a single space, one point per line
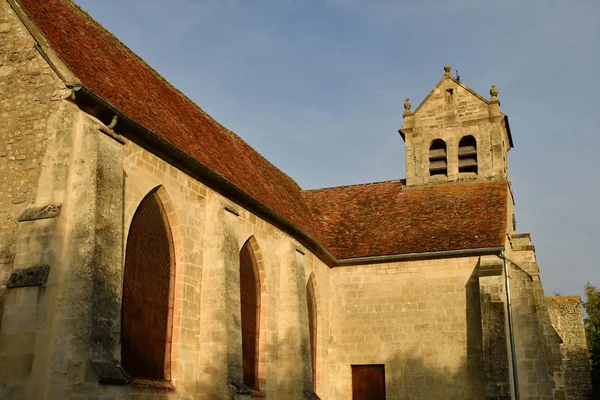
28 86
413 317
421 319
209 232
567 318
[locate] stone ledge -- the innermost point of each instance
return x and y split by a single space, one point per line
238 386
528 247
32 276
111 134
110 373
310 395
43 212
161 385
491 269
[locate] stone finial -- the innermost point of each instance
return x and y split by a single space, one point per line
447 69
407 106
494 93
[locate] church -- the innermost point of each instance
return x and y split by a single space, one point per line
148 252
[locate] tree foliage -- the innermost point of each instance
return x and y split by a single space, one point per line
592 328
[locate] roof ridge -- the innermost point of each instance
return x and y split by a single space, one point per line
221 127
352 185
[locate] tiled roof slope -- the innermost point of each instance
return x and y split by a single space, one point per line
379 219
108 68
363 220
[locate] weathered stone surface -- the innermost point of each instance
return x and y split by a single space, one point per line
26 86
493 323
309 394
33 276
450 112
110 372
567 317
43 212
15 367
238 386
490 269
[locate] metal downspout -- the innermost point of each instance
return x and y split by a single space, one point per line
511 330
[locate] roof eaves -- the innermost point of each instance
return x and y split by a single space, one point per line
197 170
421 255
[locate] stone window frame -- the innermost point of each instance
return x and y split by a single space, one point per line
263 314
176 326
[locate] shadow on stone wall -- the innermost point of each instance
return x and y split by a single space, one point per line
410 377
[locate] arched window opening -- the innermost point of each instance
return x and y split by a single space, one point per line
467 155
438 158
148 283
311 304
250 302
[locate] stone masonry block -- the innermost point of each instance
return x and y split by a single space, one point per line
34 213
20 367
110 372
32 276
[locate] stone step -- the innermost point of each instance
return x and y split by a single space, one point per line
521 242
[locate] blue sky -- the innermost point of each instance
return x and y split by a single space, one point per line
317 87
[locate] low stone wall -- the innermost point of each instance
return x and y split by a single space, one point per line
566 314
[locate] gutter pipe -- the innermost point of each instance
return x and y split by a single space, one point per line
428 254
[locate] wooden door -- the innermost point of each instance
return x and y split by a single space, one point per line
368 382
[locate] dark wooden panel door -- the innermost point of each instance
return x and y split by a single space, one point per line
147 293
368 382
250 299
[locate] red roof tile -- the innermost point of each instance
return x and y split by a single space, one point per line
362 220
112 71
378 219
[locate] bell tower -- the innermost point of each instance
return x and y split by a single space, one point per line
454 135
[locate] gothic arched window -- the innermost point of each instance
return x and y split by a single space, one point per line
467 154
438 158
311 305
250 299
148 282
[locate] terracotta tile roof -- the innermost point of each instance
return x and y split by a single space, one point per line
381 219
361 220
112 71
